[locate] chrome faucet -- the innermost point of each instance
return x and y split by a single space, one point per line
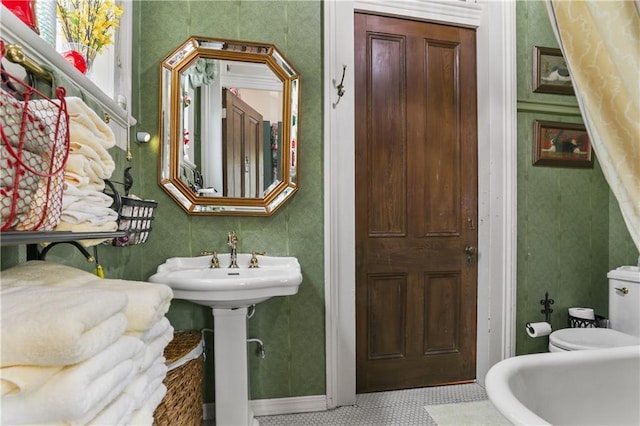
232 242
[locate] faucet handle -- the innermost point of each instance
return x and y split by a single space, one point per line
215 263
253 263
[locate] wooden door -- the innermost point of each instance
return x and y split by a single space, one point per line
242 148
416 203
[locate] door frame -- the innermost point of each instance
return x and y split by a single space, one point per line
497 136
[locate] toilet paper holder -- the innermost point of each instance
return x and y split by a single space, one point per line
546 302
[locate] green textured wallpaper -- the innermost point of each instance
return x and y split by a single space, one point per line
570 231
292 328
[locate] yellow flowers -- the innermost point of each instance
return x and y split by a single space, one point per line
88 23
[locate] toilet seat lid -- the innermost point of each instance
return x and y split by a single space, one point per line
573 339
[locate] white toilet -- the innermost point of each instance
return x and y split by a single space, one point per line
624 317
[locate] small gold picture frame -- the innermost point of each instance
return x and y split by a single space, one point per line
561 144
550 72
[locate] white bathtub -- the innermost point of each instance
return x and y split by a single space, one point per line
591 387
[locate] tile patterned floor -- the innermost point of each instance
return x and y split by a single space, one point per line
397 408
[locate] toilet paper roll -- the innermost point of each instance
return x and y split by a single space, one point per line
584 313
538 329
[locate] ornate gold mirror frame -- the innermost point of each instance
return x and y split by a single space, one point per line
219 158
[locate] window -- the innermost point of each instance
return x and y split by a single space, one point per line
112 68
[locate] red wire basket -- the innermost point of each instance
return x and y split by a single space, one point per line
35 146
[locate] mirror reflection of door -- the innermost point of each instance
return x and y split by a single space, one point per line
194 170
242 133
247 165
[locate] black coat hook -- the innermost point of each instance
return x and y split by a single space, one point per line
340 87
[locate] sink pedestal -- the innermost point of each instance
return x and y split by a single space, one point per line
230 363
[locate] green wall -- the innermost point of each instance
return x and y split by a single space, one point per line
570 230
292 328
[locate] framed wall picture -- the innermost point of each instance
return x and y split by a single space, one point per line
561 144
550 72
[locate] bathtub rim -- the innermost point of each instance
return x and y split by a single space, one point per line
498 378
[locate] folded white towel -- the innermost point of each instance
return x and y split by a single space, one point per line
42 273
81 181
73 194
79 391
156 330
155 349
144 416
69 324
102 391
76 163
157 371
80 114
96 162
147 302
92 210
84 161
152 385
137 389
156 398
86 208
117 412
147 382
95 217
24 378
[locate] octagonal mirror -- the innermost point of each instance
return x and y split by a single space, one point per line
228 127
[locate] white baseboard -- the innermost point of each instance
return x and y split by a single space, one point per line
297 404
275 406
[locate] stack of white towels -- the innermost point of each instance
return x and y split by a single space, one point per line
80 350
85 207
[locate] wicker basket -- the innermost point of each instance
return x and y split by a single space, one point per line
598 322
182 405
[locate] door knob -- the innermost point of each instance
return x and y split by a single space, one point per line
470 251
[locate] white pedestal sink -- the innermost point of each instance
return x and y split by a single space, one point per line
229 292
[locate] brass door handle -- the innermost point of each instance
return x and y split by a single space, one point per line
470 250
623 290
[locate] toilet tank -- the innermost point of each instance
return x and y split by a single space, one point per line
624 309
